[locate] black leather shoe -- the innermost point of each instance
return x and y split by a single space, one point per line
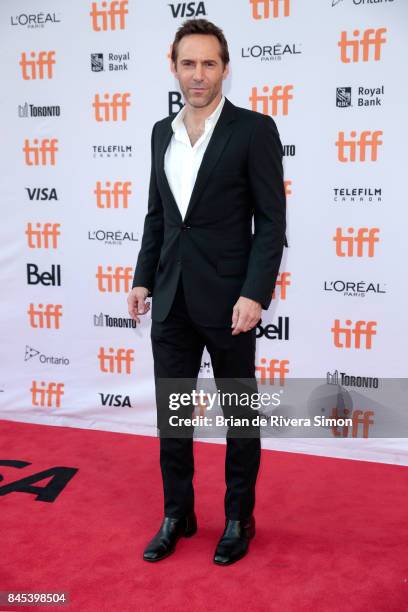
234 542
165 540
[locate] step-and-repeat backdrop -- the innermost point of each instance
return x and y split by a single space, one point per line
82 84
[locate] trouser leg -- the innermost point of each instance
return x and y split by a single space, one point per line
177 351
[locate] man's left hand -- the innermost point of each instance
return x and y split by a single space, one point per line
245 315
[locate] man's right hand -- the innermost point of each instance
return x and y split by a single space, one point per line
136 302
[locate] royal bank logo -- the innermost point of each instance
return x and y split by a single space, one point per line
343 97
115 62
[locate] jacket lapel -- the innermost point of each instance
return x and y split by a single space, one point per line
219 138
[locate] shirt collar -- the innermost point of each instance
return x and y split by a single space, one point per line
178 121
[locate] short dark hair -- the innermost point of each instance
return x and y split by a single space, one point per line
200 26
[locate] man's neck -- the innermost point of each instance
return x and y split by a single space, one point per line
196 116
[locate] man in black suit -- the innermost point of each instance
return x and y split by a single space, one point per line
214 167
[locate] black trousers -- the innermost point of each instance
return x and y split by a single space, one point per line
178 344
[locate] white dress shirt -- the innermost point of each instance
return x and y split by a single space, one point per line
182 161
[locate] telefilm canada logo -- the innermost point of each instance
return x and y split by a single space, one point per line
109 151
357 195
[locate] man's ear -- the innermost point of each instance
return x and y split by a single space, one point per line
226 71
173 69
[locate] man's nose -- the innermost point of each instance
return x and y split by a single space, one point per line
198 73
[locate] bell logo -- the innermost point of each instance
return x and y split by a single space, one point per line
261 9
113 197
39 66
47 316
47 395
350 337
108 110
40 154
113 361
354 244
269 368
347 149
44 237
111 18
358 418
282 282
118 280
280 94
371 39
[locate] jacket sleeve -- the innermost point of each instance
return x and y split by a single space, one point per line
152 239
265 171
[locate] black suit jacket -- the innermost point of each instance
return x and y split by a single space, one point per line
240 177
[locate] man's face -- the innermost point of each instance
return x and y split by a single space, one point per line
199 69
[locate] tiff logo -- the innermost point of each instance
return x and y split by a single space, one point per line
111 18
365 236
44 316
118 280
261 9
271 368
347 149
109 110
44 237
40 154
351 337
371 39
270 104
281 282
359 417
39 66
113 361
46 395
113 197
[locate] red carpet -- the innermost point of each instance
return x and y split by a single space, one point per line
332 534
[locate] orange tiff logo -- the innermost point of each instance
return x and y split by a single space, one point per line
113 197
351 337
46 394
360 46
115 361
270 104
44 316
354 243
39 66
111 18
114 108
44 237
359 418
118 280
270 368
347 149
261 9
281 282
40 153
